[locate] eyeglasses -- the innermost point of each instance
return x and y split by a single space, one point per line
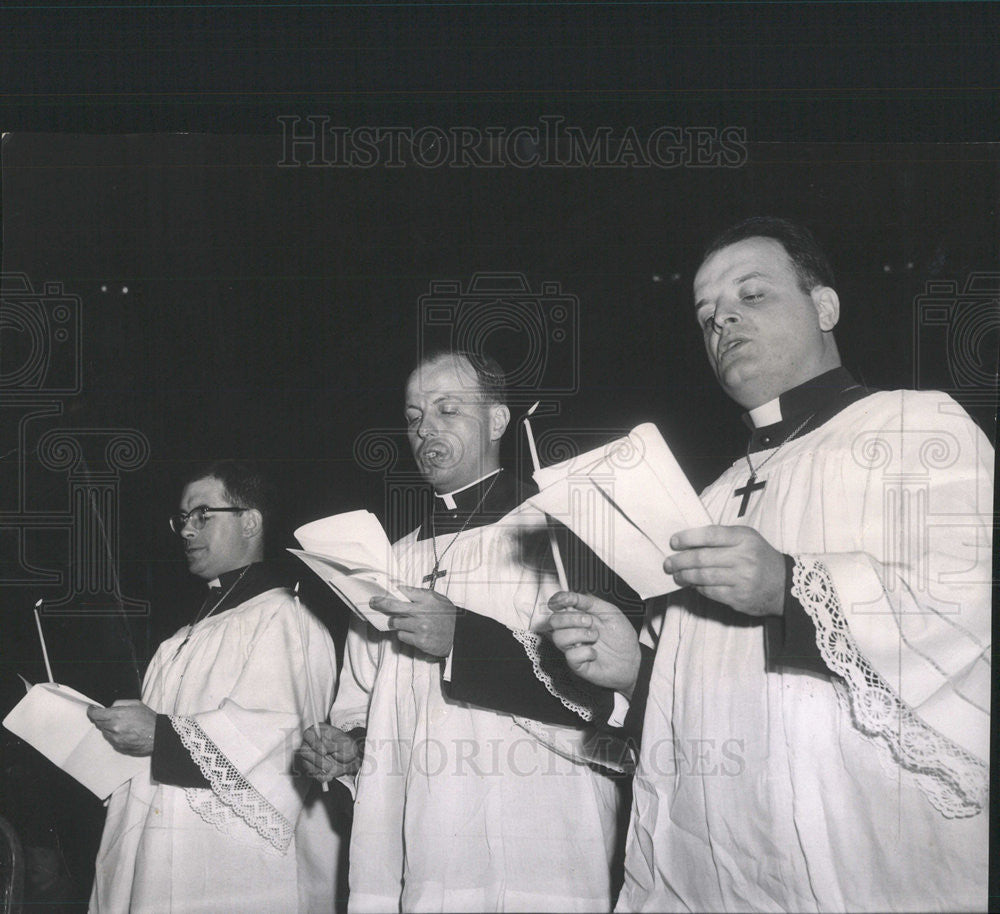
197 517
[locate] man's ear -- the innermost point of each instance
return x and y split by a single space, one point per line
499 419
827 304
252 523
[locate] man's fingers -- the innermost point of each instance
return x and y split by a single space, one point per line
699 557
568 638
403 623
704 577
413 591
570 619
569 599
713 535
577 657
390 605
314 740
310 757
409 637
345 751
315 767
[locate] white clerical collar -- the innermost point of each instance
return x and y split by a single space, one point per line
449 497
766 414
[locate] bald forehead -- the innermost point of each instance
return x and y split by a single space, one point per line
742 260
452 374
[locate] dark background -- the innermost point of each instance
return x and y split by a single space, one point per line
274 312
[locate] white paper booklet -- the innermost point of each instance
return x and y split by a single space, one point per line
53 719
625 500
353 556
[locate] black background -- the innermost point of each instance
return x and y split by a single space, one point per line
274 312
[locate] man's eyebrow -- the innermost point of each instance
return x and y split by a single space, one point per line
756 274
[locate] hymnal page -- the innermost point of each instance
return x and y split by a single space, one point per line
625 500
352 555
53 719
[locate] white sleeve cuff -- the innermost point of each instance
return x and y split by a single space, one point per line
446 675
618 712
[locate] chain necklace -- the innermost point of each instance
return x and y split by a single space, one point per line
200 617
752 485
432 578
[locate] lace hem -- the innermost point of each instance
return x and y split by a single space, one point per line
232 798
572 693
955 782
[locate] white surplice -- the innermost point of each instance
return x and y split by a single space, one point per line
238 694
459 808
864 791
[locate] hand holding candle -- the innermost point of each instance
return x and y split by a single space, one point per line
314 717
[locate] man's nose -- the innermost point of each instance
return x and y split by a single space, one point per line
725 313
188 531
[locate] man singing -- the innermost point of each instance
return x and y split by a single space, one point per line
833 637
221 825
460 808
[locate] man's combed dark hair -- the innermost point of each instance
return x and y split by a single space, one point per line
811 264
489 373
244 483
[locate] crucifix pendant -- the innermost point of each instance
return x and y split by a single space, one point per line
432 578
746 491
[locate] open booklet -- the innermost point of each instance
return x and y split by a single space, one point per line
353 556
53 719
625 500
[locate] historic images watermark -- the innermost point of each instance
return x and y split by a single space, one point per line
522 756
68 551
956 330
536 326
961 321
314 142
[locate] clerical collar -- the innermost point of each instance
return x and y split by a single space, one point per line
817 400
449 500
484 502
250 580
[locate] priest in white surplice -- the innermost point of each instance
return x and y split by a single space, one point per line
814 705
460 808
222 825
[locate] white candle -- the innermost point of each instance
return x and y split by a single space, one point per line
41 637
556 555
310 697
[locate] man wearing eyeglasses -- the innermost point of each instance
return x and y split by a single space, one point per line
221 824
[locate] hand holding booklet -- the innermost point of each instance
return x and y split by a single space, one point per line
53 719
625 500
353 556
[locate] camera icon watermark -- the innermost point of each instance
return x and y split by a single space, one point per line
40 342
534 333
963 324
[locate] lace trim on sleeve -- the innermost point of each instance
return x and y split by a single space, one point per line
349 723
955 782
585 748
232 798
560 683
